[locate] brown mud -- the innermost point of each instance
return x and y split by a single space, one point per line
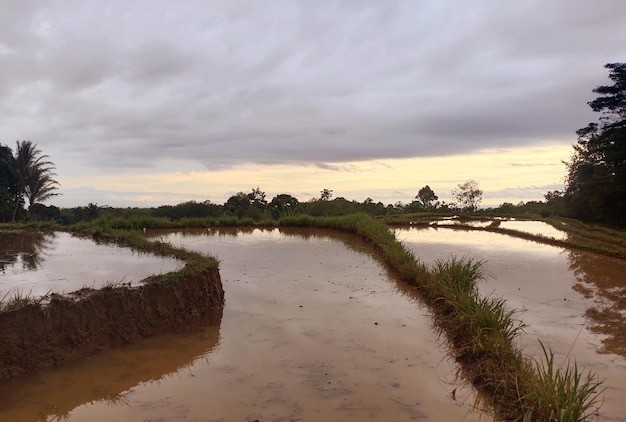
74 326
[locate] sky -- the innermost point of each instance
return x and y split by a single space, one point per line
157 102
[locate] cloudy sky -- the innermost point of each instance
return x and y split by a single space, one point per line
145 103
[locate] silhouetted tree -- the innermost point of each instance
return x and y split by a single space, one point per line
596 180
283 204
30 175
426 196
326 194
257 197
468 196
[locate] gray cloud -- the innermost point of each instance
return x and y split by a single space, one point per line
104 86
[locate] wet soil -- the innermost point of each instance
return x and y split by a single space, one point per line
572 301
312 329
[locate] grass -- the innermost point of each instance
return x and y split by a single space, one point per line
563 394
141 223
17 301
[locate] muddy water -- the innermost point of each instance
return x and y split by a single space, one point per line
560 294
312 329
36 263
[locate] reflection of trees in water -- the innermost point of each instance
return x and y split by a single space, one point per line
601 279
29 247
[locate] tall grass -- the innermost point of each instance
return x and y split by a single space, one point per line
17 300
562 394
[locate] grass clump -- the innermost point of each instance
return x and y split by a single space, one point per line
562 394
17 301
482 332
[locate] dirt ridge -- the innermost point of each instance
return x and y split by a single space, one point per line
77 325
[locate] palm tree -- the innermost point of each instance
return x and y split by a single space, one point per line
7 183
33 175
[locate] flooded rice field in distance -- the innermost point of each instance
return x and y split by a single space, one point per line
534 227
574 302
312 329
34 264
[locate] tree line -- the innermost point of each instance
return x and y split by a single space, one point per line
256 206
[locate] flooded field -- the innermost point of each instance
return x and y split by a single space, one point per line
534 227
36 263
573 302
312 329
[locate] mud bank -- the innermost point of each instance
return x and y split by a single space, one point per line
77 325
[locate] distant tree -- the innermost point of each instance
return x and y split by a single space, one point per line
7 183
45 213
371 207
326 194
257 196
93 211
596 180
237 204
468 196
283 204
426 196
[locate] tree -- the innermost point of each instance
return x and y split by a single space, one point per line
326 194
257 196
426 197
29 175
596 180
7 183
237 204
283 204
468 196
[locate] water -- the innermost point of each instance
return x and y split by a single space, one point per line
36 263
555 291
313 329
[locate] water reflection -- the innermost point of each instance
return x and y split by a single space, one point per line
538 228
601 279
23 247
37 263
107 377
558 293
